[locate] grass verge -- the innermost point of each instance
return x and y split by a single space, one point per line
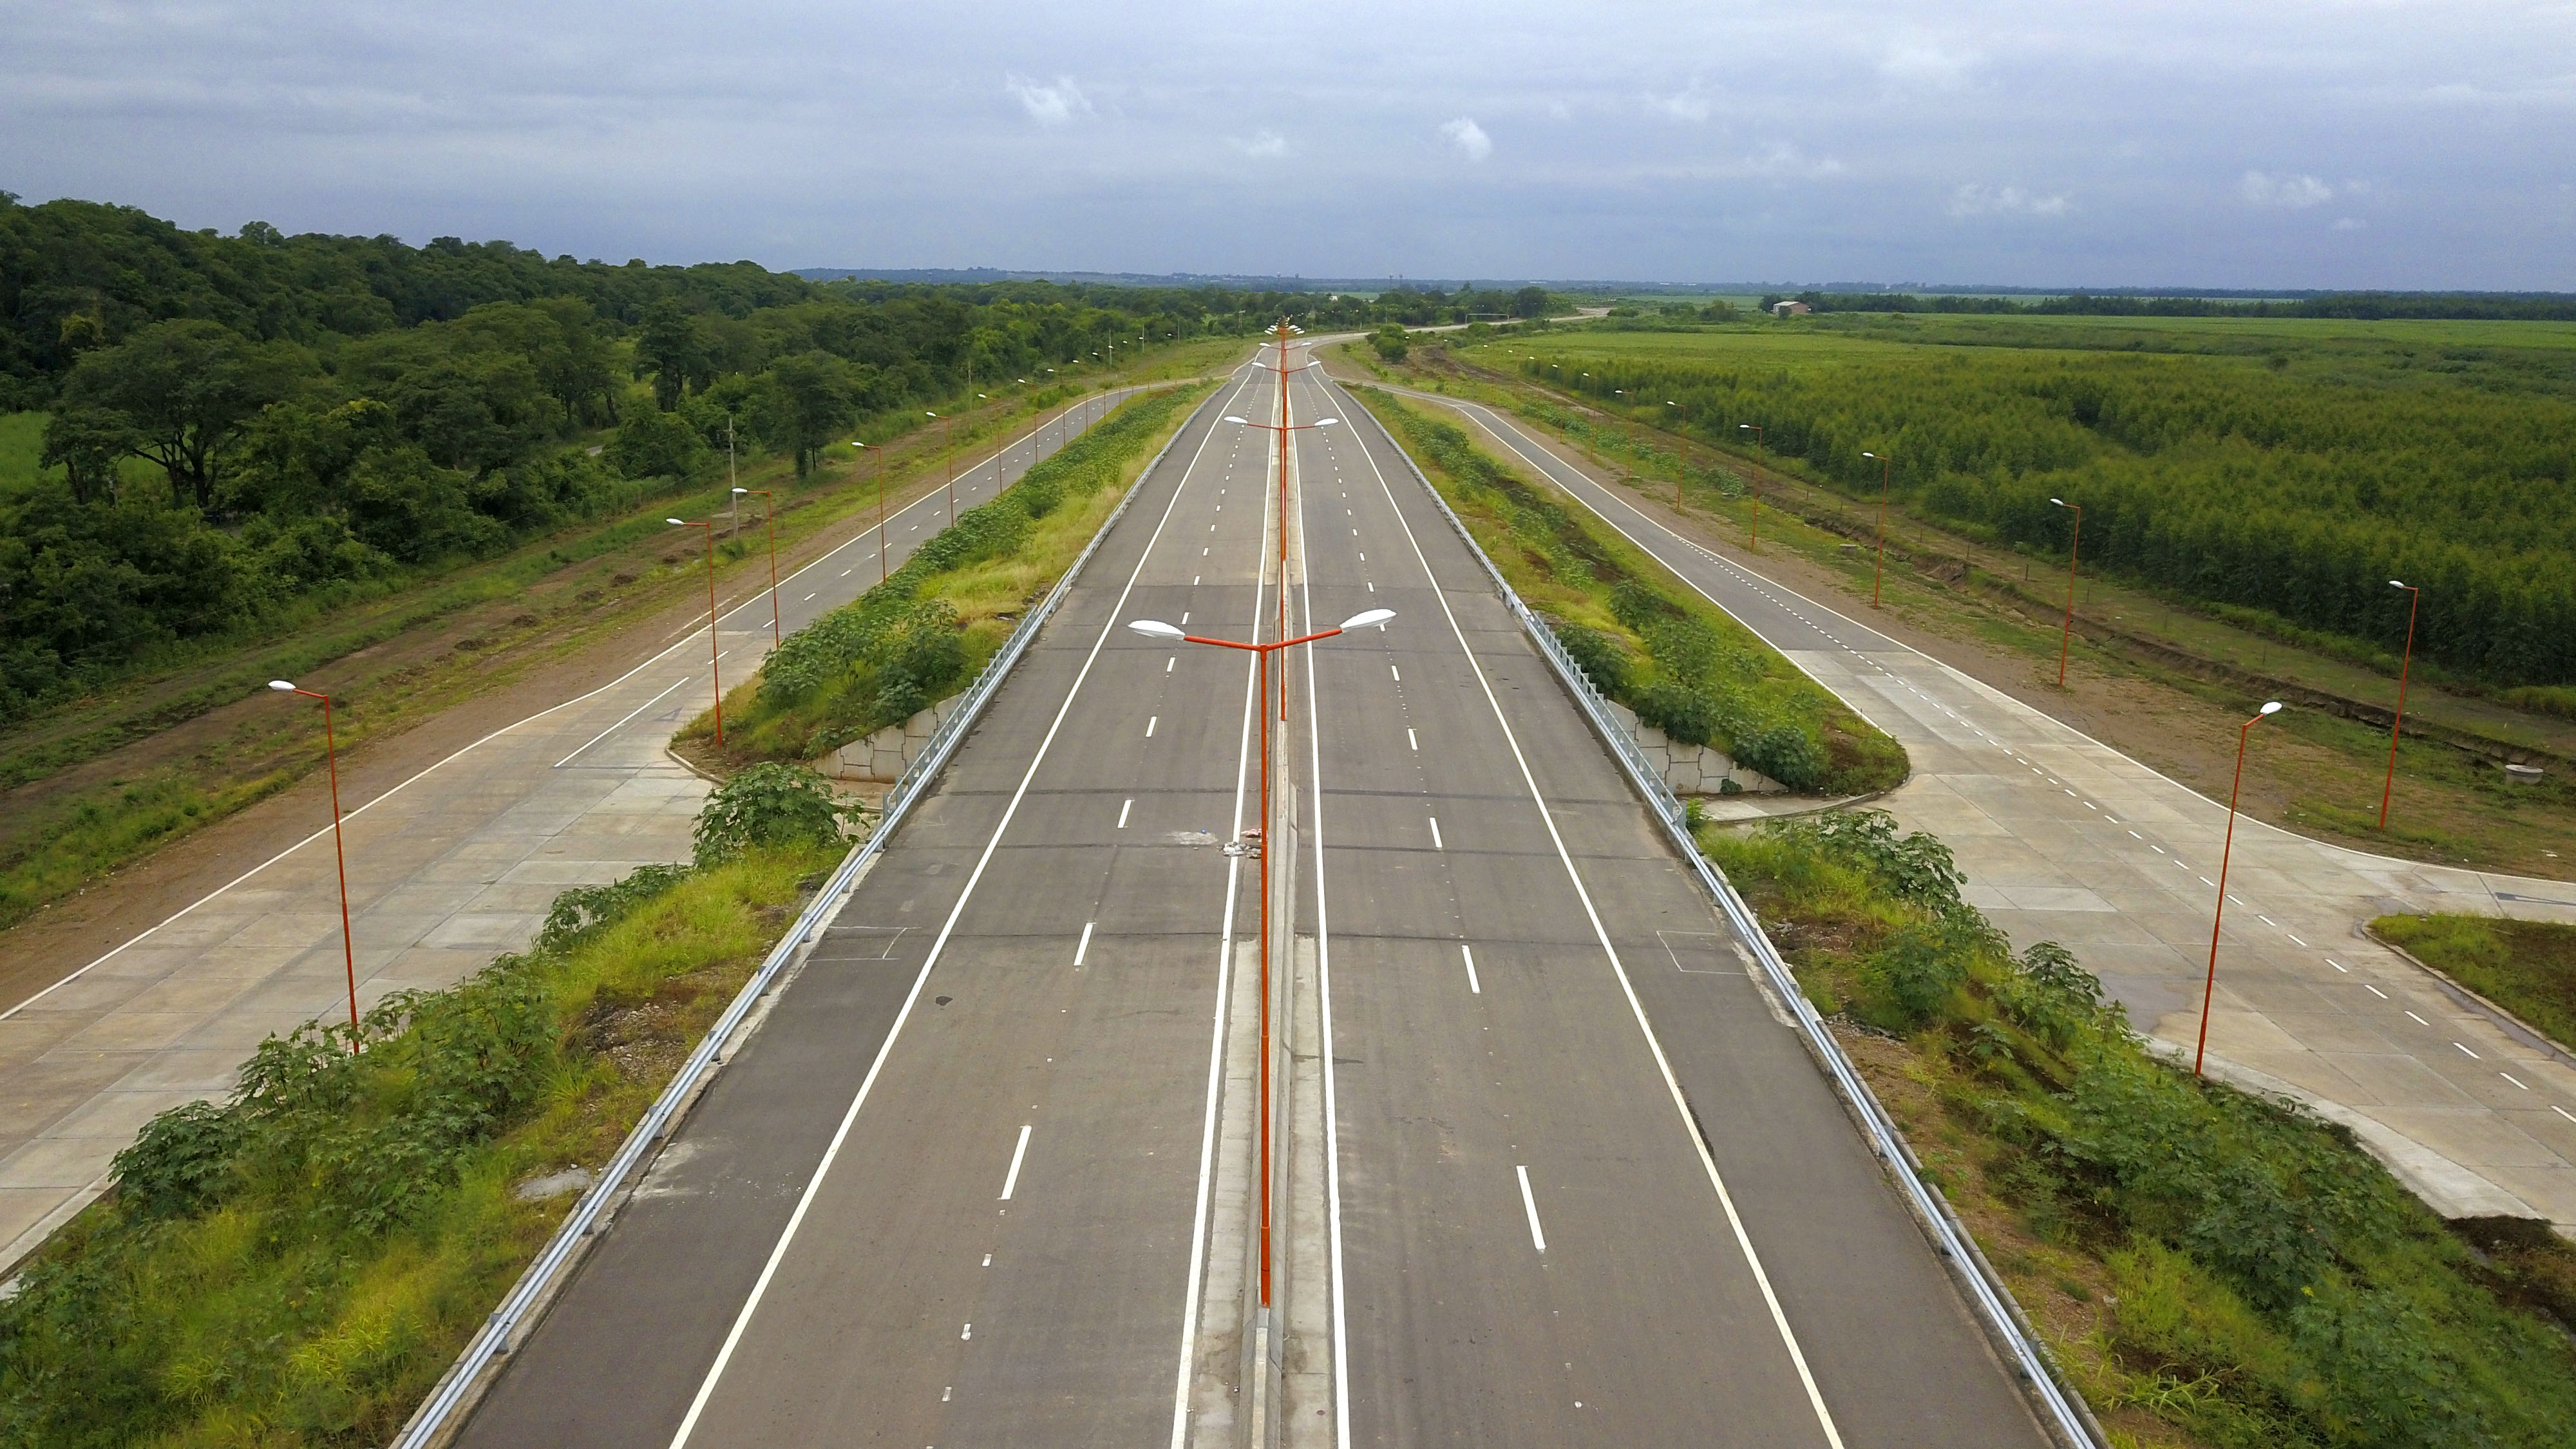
2526 967
297 1266
2209 1267
928 627
1645 637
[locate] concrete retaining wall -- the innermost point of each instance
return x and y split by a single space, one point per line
1692 769
886 754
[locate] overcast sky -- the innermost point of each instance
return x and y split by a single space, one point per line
2296 143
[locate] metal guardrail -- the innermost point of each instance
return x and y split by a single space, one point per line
492 1341
2066 1410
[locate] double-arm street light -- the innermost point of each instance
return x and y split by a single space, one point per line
2415 598
1756 430
2067 635
2209 988
715 656
331 760
1878 571
1157 629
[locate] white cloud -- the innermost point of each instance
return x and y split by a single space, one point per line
2294 192
1973 199
1263 143
2349 223
1688 104
1050 105
1468 137
1782 159
1927 64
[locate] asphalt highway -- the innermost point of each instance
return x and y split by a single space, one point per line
1584 1185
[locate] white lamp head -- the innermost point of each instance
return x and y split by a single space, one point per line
742 490
1366 617
676 521
1231 418
1155 628
2060 502
2272 707
2396 583
284 685
1867 454
1328 422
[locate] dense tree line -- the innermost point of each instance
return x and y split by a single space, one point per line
2344 306
239 423
2215 479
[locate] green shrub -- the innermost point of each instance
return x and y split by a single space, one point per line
2273 1284
769 806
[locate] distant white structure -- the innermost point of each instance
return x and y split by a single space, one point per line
1790 309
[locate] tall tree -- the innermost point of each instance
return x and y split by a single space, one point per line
184 389
668 348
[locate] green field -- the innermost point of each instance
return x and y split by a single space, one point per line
2287 466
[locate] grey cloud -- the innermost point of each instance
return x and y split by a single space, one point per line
1770 139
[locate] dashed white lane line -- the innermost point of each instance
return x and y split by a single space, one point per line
1082 948
1168 663
1529 1204
1398 674
1122 813
1410 740
1435 832
2510 1077
2375 991
1474 986
1150 721
1011 1179
2473 1055
2419 1021
809 598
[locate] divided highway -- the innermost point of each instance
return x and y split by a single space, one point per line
964 1186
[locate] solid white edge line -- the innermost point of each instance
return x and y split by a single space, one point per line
822 1169
1672 1084
1011 1179
612 729
347 815
1529 1204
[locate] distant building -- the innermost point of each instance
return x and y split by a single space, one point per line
1790 309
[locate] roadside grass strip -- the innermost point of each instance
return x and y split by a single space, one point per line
1645 638
921 634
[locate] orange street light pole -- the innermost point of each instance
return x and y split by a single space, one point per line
2415 598
1681 458
948 460
1283 428
769 520
2209 988
1886 470
1157 629
2067 635
1756 430
715 656
331 758
881 513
